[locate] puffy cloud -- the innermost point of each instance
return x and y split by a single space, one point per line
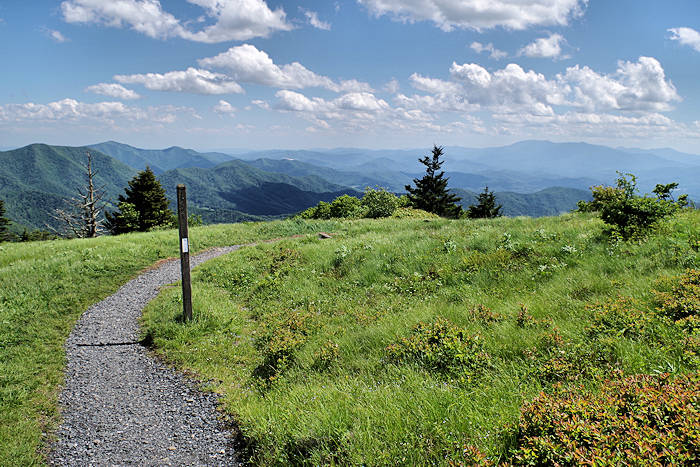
73 110
223 107
640 85
113 90
260 103
247 64
233 19
494 53
635 86
392 86
545 47
362 101
238 20
191 80
686 36
145 16
360 112
312 18
479 14
433 85
56 36
511 87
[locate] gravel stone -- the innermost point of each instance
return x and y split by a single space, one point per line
120 405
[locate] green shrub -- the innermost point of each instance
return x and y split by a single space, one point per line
682 303
638 420
441 346
326 356
628 214
379 203
322 211
621 317
345 206
411 213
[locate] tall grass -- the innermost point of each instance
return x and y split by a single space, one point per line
298 335
45 286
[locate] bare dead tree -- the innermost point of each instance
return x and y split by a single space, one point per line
82 216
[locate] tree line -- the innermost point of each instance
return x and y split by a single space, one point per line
144 206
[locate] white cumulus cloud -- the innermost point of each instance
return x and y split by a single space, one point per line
223 107
113 90
71 110
144 16
545 47
479 14
686 36
312 18
192 80
640 85
494 53
56 36
232 19
635 86
246 64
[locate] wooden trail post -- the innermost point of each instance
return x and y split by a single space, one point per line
184 253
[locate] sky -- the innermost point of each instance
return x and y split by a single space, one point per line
262 74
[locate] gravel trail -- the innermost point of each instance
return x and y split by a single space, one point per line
120 406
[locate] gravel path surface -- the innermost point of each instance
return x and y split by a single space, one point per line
121 406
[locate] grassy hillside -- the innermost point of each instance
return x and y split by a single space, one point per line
35 179
45 286
416 343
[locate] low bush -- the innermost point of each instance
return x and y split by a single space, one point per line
345 206
441 346
379 203
376 203
682 302
627 214
621 317
638 420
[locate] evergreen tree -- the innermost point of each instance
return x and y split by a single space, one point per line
485 207
4 222
144 206
431 193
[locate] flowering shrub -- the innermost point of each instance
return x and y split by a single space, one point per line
621 317
326 356
485 315
682 303
441 346
279 340
638 420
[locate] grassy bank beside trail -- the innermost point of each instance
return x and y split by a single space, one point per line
412 342
45 286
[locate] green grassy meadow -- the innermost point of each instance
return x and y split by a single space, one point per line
45 286
412 342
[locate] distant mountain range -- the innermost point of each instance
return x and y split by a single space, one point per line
160 160
533 178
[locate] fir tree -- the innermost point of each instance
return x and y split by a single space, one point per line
431 193
144 206
4 222
485 207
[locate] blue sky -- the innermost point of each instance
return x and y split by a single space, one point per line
364 73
